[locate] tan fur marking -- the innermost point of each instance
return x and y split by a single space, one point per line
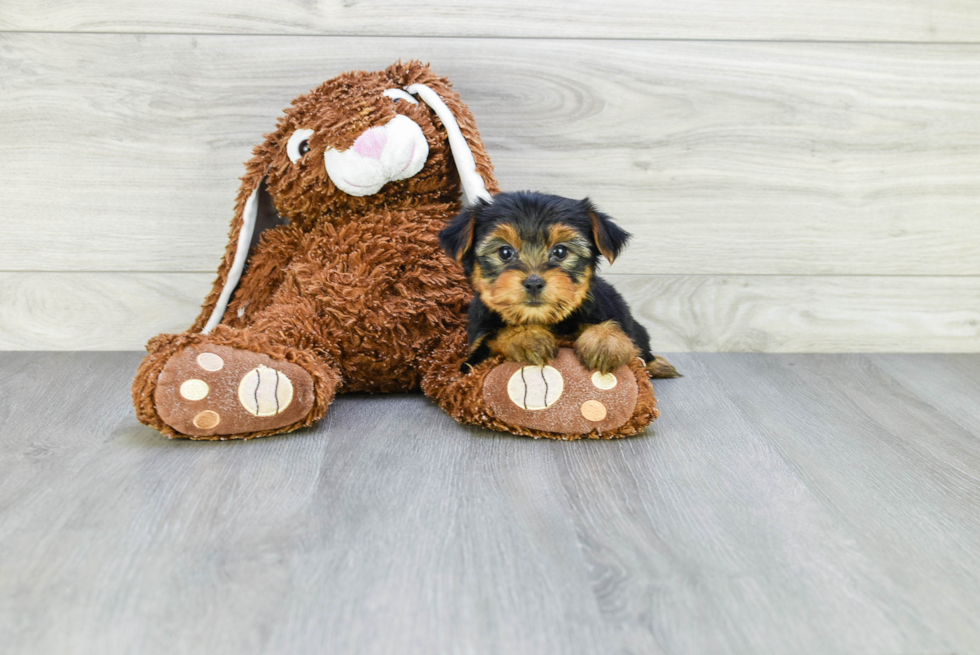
563 294
478 279
469 242
606 252
562 233
476 344
527 344
504 293
604 347
507 232
535 256
506 296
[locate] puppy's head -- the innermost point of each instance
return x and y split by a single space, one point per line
531 256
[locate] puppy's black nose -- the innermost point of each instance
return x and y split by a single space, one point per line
534 284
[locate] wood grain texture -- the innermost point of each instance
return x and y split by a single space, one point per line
835 20
106 311
722 158
96 311
807 313
783 503
956 397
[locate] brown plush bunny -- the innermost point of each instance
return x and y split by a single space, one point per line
333 280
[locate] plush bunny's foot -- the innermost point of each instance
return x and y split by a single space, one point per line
562 397
209 390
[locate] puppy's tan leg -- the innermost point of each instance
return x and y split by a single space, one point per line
527 344
604 347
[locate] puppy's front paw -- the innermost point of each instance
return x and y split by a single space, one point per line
604 347
527 344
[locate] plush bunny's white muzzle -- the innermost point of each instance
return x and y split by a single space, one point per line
394 151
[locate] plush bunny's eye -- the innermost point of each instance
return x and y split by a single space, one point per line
398 95
298 145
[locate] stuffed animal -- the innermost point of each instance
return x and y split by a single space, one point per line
333 281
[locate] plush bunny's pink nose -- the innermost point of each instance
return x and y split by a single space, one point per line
372 143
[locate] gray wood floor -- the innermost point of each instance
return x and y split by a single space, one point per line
783 504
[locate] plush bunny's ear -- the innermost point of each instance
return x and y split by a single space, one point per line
457 237
473 185
609 238
258 215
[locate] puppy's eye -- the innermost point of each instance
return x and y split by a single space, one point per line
506 253
298 144
559 252
398 95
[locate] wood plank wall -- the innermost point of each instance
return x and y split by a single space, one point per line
799 176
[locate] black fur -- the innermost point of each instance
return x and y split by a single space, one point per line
534 212
609 237
457 237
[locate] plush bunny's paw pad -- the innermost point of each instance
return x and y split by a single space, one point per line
210 390
561 397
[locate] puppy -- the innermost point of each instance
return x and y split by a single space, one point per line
531 259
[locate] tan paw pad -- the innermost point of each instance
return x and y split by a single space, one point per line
604 381
194 389
207 420
265 391
535 387
593 410
210 362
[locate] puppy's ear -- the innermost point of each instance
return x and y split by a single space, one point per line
457 237
609 237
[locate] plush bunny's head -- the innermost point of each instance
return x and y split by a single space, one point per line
392 138
364 138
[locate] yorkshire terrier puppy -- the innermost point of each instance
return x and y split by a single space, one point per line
531 259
